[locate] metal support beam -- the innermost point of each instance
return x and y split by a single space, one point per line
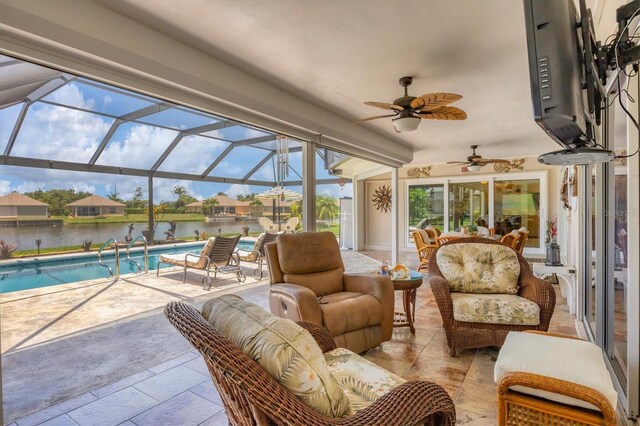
217 161
210 127
166 152
16 128
48 87
309 187
133 115
150 210
395 216
105 141
229 148
125 171
257 167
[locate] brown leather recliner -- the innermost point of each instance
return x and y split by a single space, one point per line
308 283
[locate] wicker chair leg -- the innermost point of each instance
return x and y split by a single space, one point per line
452 351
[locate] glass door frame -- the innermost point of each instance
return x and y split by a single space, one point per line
541 175
604 186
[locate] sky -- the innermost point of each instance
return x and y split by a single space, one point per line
58 133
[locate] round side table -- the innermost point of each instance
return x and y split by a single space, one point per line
409 287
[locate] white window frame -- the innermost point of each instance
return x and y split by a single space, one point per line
541 175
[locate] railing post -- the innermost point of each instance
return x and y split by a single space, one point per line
146 256
117 260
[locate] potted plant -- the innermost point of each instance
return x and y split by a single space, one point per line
472 230
552 248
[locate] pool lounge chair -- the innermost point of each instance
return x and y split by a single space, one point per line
268 225
290 226
257 255
217 255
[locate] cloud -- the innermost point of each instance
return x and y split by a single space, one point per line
193 155
238 189
140 146
57 133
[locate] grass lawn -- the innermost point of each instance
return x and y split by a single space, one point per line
131 218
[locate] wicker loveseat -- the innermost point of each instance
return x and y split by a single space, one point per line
253 396
473 317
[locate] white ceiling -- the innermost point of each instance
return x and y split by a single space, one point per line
339 54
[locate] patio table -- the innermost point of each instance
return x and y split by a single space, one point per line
409 287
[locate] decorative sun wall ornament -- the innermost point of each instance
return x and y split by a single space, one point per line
382 198
507 167
417 172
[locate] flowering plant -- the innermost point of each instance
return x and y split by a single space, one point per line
552 230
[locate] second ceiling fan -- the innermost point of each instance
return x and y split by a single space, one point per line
410 110
475 162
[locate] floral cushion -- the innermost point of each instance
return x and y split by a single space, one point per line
191 261
283 348
362 381
495 309
479 268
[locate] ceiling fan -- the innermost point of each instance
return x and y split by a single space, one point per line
409 110
475 162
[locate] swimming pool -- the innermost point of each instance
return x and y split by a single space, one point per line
52 270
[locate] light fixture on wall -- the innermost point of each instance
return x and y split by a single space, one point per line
406 124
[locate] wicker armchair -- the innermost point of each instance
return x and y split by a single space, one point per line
424 247
253 397
475 335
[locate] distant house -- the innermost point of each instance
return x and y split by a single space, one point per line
226 206
18 206
95 205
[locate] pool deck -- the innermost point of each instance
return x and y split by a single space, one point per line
102 353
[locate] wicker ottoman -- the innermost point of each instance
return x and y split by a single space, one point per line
551 379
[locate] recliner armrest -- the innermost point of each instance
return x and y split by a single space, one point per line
294 302
376 285
379 287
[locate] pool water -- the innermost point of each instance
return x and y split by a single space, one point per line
48 271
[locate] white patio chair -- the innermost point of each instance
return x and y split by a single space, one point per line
290 225
268 226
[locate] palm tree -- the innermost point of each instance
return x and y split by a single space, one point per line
208 205
327 207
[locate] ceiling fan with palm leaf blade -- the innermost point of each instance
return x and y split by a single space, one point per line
475 162
410 110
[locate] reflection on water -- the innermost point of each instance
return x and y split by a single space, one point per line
75 234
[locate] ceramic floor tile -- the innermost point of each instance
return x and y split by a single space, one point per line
438 348
187 356
208 391
464 417
56 410
185 409
170 383
62 420
481 371
478 398
121 384
197 364
113 409
219 419
449 376
423 335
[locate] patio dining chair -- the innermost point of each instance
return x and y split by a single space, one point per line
425 245
509 240
257 254
217 256
521 239
443 240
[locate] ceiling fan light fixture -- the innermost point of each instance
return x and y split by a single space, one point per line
406 124
474 167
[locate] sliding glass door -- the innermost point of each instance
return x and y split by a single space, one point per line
468 204
505 202
517 205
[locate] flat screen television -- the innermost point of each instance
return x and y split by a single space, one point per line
566 79
556 71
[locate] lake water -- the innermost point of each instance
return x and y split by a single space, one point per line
75 234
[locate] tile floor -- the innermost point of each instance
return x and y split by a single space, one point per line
179 391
